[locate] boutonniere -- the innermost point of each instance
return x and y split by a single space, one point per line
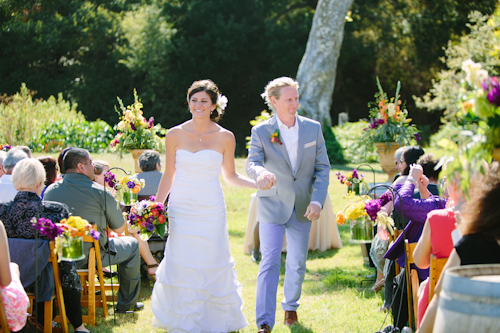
275 137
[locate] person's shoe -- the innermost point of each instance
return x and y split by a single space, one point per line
137 307
290 318
378 286
264 329
255 256
109 274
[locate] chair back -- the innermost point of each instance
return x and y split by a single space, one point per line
3 317
412 285
435 269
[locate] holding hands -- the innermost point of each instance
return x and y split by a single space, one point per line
266 180
417 173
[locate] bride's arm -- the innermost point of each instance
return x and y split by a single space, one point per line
168 175
228 169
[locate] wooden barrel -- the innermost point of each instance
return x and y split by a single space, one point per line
469 300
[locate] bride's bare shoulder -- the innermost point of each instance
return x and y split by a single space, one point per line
179 129
225 134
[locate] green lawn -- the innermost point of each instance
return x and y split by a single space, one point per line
334 299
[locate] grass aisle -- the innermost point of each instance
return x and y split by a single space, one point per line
333 297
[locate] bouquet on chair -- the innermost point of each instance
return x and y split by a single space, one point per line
68 235
148 216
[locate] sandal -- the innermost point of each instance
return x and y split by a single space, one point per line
378 286
153 276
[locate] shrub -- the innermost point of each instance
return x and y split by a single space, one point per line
94 136
24 118
347 136
333 148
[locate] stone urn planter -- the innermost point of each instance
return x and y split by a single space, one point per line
496 154
386 152
136 153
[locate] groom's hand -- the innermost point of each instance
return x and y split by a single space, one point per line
312 212
266 180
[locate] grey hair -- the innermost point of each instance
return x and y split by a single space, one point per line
28 173
98 166
399 152
148 160
13 156
274 87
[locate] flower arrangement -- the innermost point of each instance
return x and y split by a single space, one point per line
364 213
126 188
148 216
5 147
67 235
353 180
134 131
389 121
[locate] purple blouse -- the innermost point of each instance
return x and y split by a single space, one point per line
416 210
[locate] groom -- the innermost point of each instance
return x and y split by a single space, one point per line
287 158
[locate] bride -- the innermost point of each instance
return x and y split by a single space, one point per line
196 289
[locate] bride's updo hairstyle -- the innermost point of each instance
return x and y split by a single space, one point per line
274 87
212 90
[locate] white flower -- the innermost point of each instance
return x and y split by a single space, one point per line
391 108
474 74
221 104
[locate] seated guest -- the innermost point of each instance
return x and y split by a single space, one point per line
89 200
3 155
436 237
100 168
14 297
150 164
7 190
416 210
51 168
28 177
25 149
429 163
481 229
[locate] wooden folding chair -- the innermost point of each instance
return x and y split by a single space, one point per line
412 285
87 276
58 297
3 317
435 270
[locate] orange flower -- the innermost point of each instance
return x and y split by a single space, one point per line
161 219
154 212
340 218
136 189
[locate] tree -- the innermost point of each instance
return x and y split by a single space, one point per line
317 70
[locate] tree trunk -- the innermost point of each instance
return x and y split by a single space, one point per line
317 70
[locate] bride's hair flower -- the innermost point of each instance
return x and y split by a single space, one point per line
221 104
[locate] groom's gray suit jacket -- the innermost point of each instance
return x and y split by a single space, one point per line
292 190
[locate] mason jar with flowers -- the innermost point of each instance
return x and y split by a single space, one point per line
135 133
389 128
68 234
126 188
353 180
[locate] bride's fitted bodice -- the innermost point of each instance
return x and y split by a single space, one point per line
196 185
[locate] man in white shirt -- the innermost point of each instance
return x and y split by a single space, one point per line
7 190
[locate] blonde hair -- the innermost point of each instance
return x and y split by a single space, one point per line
274 87
28 173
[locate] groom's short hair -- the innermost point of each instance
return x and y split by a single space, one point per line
274 87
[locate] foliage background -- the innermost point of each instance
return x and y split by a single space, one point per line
93 51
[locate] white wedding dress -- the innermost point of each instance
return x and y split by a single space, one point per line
196 289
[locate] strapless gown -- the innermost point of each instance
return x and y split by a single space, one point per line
196 288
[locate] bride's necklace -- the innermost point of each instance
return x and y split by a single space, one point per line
199 135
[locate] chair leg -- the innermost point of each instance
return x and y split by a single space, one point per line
47 317
91 295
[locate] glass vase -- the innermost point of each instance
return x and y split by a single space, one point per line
354 187
129 197
70 248
361 230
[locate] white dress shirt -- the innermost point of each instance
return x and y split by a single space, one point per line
290 138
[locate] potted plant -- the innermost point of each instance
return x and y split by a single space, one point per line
135 133
389 128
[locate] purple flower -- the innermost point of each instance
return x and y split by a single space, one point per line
47 228
110 179
160 206
385 198
152 198
6 147
132 126
355 174
372 208
151 122
130 184
150 227
417 136
95 234
150 219
493 87
132 217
